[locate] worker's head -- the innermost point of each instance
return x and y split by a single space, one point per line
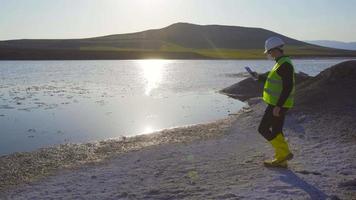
275 52
274 47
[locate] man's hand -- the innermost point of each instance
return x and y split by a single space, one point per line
255 75
276 111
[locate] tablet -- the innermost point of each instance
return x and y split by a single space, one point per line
250 72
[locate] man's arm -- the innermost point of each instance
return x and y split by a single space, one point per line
285 71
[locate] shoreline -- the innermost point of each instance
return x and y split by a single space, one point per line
212 59
24 167
218 160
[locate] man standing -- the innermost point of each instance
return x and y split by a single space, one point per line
278 93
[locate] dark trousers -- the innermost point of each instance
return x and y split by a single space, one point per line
271 125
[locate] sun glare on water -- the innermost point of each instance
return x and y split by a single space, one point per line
152 71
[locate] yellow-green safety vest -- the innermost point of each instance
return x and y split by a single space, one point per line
273 85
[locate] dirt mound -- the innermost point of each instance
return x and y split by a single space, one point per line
249 88
334 89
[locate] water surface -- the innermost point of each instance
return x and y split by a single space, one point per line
52 102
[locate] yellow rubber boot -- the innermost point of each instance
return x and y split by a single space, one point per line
272 163
281 148
282 152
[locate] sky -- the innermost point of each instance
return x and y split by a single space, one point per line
58 19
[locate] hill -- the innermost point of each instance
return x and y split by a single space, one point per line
334 44
180 40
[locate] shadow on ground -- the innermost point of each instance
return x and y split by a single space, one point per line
295 181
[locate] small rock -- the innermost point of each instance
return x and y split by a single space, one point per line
346 173
308 172
301 118
247 110
153 192
227 196
334 197
123 194
350 183
31 130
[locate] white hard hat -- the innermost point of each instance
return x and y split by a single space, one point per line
273 42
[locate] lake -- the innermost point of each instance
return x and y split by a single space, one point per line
43 103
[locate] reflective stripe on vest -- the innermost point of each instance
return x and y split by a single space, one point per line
276 94
274 81
274 85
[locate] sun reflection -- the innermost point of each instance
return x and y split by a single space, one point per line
152 72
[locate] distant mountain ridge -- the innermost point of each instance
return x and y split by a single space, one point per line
179 40
334 44
182 34
208 36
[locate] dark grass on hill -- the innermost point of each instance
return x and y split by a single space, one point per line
109 53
